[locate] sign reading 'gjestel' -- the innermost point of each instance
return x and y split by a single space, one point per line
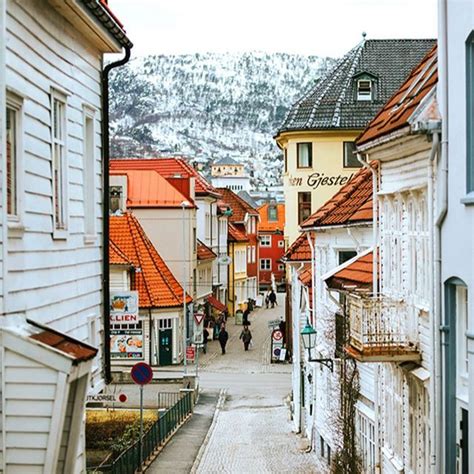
315 180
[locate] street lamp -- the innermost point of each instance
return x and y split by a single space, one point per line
184 205
308 334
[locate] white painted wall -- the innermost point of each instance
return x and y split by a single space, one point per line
458 227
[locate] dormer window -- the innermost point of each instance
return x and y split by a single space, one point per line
116 193
364 89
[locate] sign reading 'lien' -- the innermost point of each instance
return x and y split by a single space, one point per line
316 180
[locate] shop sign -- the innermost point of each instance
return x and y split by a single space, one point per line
126 343
316 180
124 306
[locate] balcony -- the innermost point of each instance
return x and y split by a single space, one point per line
382 330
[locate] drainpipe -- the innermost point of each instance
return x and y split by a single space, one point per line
105 208
313 278
442 188
435 292
374 222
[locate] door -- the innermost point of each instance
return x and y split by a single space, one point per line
165 342
464 443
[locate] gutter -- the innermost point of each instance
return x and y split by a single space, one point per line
375 285
105 208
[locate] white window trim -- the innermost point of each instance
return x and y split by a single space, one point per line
16 226
57 94
88 172
265 240
269 260
93 326
365 97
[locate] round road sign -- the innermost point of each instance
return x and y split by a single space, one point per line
141 373
277 335
122 398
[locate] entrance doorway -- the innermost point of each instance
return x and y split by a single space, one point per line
165 338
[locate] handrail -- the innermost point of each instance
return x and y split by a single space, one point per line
156 436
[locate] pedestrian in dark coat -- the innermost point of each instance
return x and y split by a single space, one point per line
245 317
223 337
246 337
272 298
205 339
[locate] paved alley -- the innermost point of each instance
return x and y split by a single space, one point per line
251 431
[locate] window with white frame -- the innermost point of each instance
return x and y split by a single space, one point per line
59 161
366 439
265 264
281 267
393 410
364 89
281 243
265 241
208 225
254 254
89 175
13 138
249 254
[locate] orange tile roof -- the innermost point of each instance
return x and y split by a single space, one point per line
397 111
236 235
147 188
168 168
157 287
116 256
74 348
305 275
239 206
350 205
266 225
298 251
204 252
356 275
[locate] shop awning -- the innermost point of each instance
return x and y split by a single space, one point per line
216 303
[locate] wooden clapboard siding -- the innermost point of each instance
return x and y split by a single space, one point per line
30 391
56 282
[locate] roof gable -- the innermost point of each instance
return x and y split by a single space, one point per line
157 287
298 251
352 204
204 252
267 225
239 206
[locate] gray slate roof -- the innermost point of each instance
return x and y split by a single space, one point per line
332 103
226 161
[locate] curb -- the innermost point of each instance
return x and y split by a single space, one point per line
219 405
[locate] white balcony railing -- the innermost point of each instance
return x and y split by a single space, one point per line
381 325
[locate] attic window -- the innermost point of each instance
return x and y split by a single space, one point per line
364 89
115 196
272 213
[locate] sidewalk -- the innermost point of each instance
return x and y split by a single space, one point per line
179 454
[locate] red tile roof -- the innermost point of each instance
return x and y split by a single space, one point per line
168 168
266 225
236 234
157 287
299 250
350 205
116 256
306 277
147 188
216 303
239 206
397 111
74 348
204 252
357 274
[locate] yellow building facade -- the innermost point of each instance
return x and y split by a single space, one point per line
318 134
237 275
309 184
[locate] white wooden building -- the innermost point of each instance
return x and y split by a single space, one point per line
51 260
337 232
395 326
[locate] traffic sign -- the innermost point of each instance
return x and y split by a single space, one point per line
199 318
141 373
277 335
274 322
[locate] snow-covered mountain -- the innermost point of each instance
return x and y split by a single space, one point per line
206 106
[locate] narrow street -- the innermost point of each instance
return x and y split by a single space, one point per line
251 431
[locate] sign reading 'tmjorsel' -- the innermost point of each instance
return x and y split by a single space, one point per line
314 180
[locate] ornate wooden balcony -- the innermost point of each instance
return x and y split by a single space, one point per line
381 330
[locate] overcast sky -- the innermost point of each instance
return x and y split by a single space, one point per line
321 27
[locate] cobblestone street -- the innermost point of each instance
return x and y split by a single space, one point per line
251 431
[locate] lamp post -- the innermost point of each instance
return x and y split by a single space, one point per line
308 334
184 205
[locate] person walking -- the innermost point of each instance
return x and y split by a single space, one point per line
246 337
272 297
245 317
204 340
223 337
